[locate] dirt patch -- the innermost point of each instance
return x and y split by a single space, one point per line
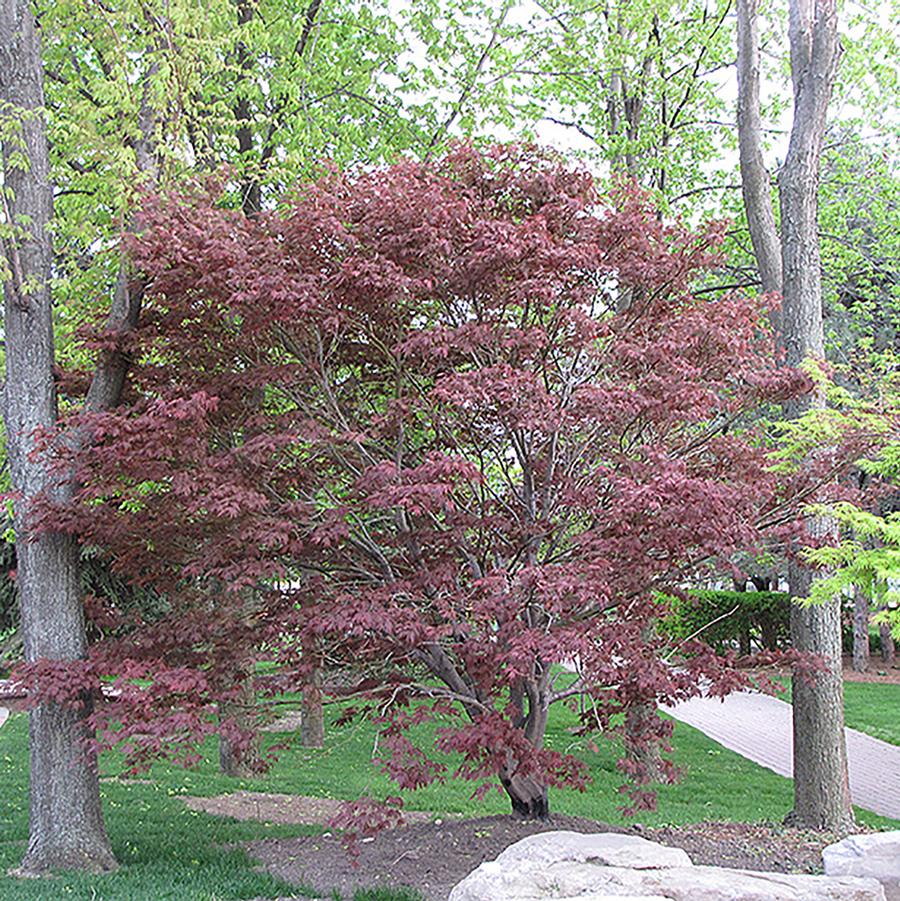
282 809
879 672
288 722
432 857
746 846
428 857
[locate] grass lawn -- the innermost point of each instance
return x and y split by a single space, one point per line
873 708
170 852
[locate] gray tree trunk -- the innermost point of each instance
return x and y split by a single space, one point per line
860 632
821 794
821 784
66 825
821 780
756 184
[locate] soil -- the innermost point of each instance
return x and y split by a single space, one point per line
432 855
282 809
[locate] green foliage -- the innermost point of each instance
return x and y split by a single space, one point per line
867 559
859 229
729 619
865 415
639 81
867 556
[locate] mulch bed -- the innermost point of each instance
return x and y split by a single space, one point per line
432 857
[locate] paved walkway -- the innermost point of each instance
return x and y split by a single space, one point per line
758 727
4 713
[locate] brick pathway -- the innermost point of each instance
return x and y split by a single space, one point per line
758 727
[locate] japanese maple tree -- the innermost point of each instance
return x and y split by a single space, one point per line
458 424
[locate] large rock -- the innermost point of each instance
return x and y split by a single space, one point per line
564 865
605 848
876 855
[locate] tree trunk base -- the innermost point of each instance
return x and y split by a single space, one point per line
843 826
527 797
95 860
821 781
67 830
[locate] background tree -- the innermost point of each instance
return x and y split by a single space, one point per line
67 829
821 785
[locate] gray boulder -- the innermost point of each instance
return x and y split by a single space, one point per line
566 865
605 849
876 855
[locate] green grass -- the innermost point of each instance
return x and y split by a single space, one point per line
170 852
873 708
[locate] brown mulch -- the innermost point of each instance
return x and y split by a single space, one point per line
428 857
746 846
432 857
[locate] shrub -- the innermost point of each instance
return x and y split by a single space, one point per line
731 619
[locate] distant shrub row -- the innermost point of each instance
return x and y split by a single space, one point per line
742 620
745 620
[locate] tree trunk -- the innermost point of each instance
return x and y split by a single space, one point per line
821 783
888 650
769 632
821 796
645 754
527 795
66 825
860 632
756 184
66 818
312 725
231 761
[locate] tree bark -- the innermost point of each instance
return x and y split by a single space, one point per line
756 184
639 721
66 822
821 782
888 650
821 795
528 796
645 754
312 725
232 763
860 632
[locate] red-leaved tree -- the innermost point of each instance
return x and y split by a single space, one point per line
455 425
